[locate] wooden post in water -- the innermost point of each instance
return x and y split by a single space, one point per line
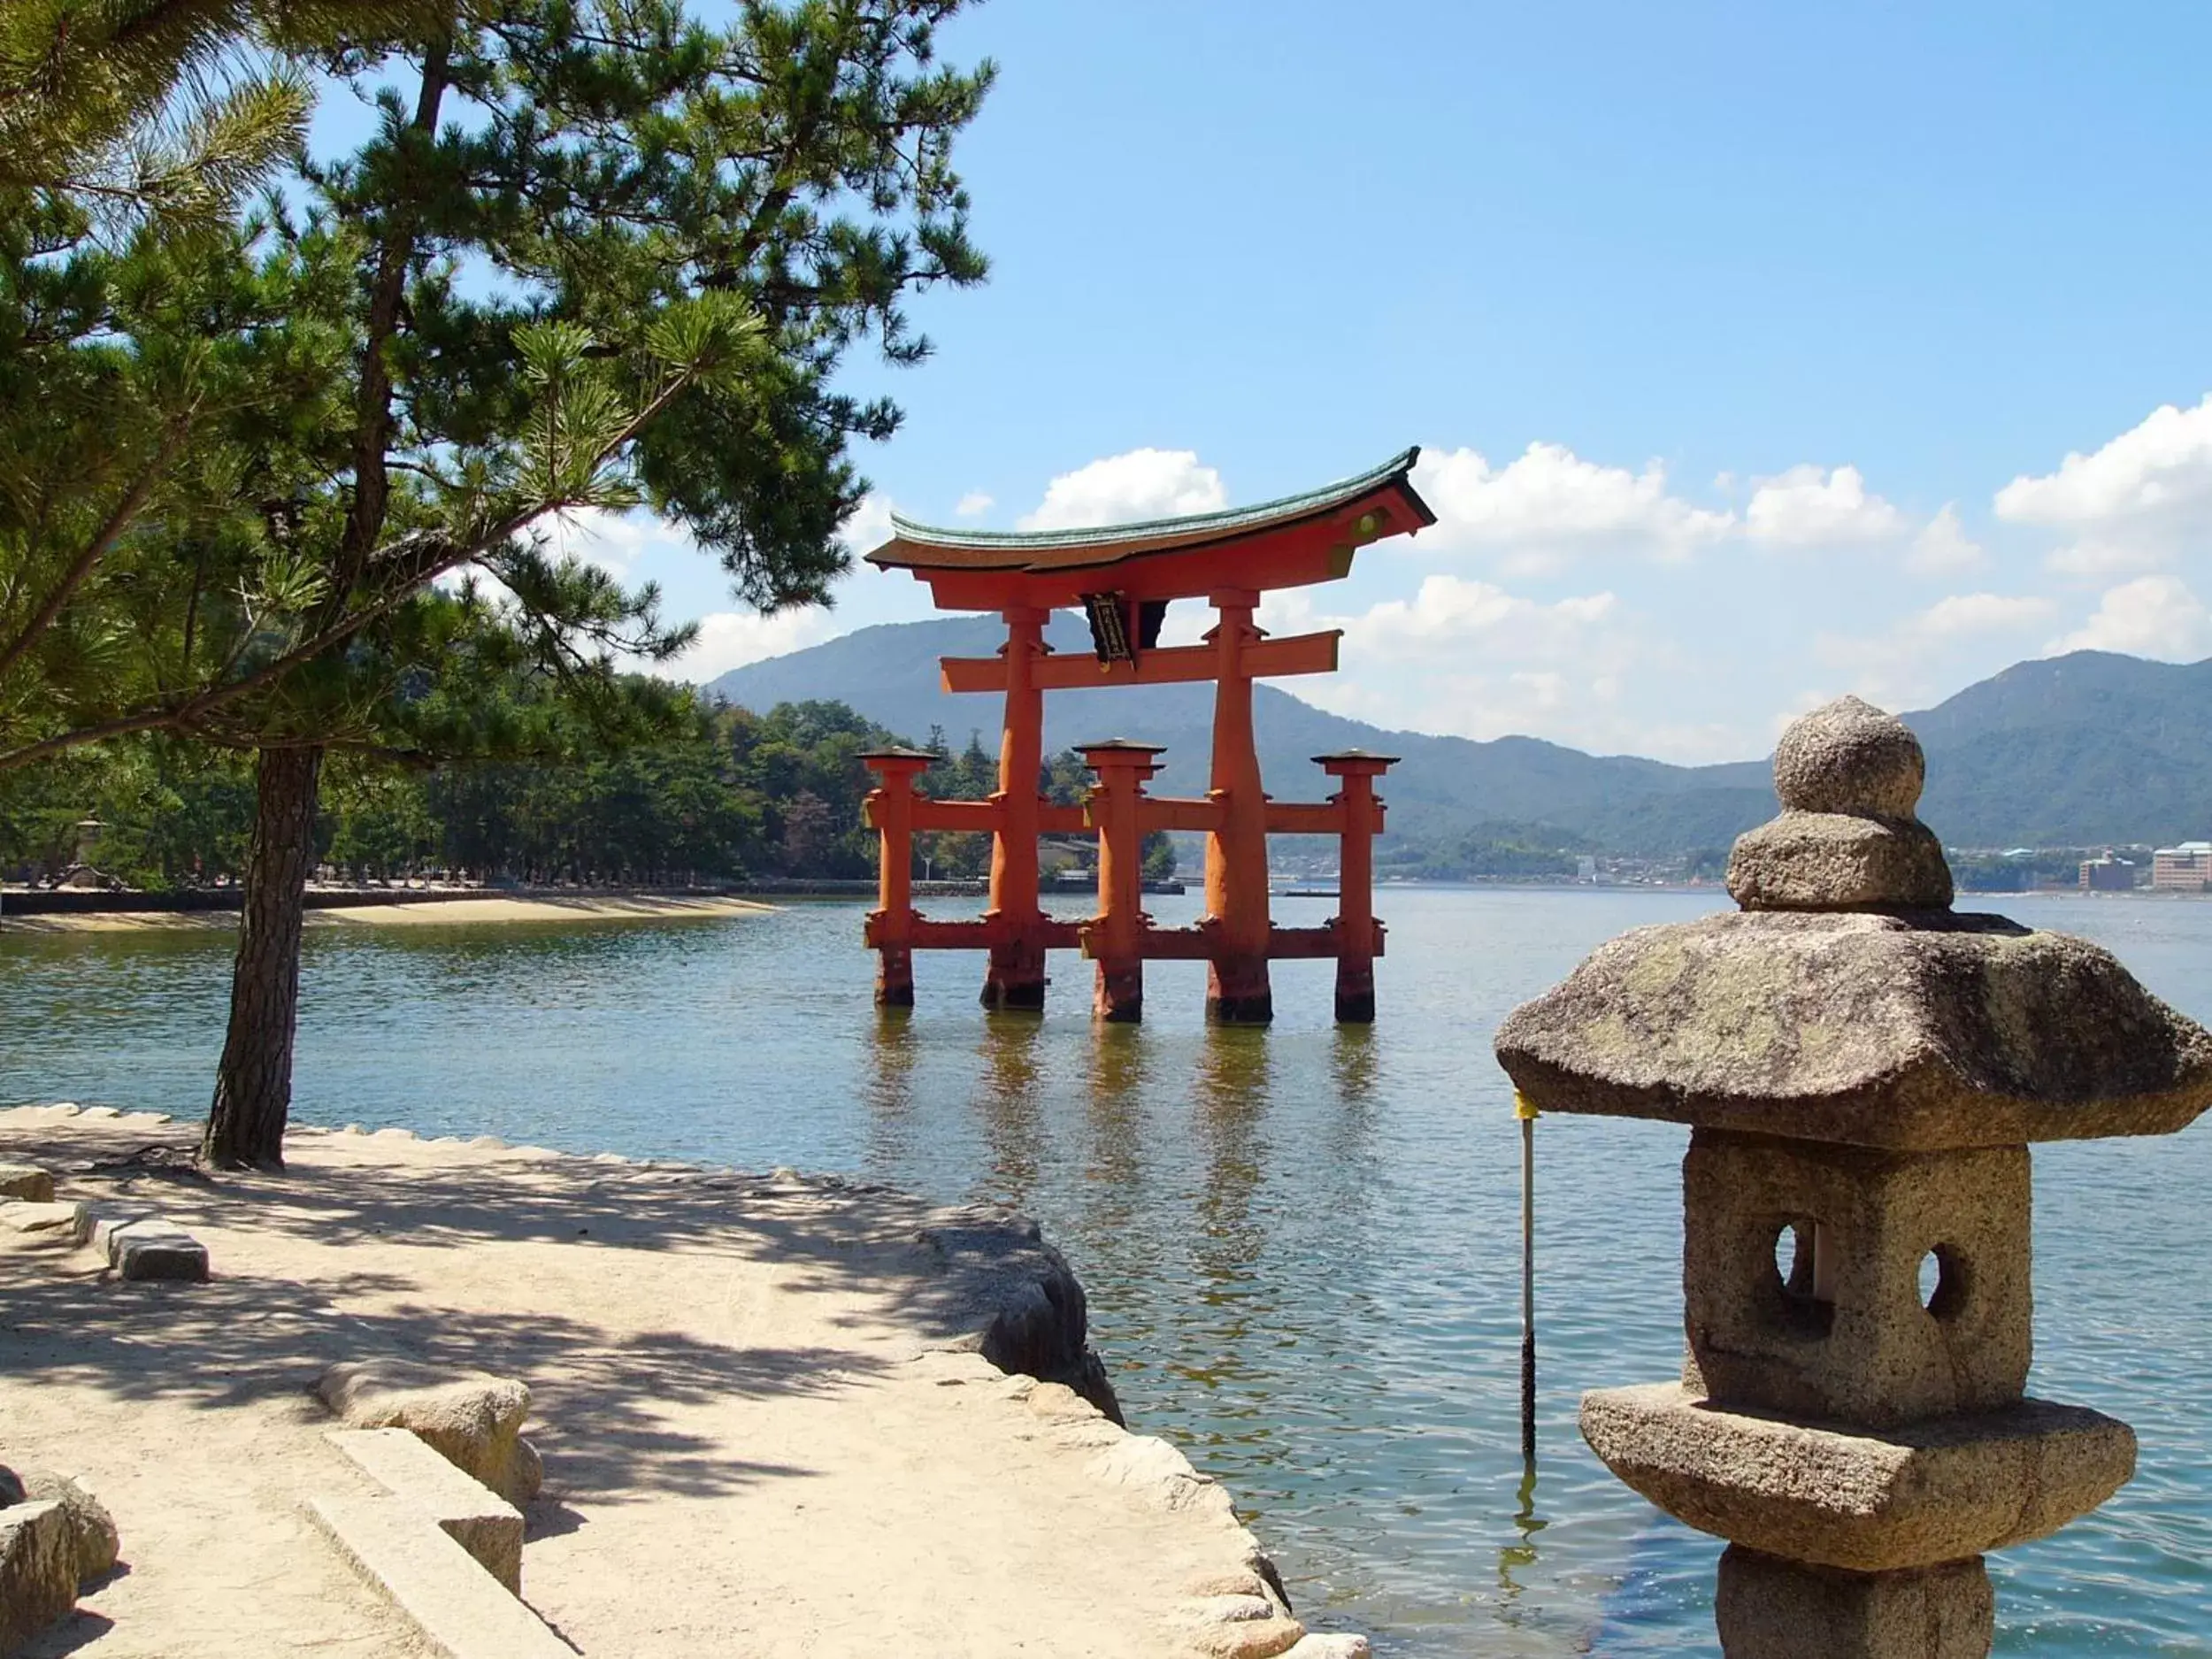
1526 1112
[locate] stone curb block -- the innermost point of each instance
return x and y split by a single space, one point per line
466 1510
460 1609
145 1247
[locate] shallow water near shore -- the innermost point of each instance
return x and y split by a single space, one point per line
1302 1244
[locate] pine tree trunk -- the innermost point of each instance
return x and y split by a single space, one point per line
253 1088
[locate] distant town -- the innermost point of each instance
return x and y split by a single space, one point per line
2184 869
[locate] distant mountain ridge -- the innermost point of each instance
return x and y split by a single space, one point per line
2090 748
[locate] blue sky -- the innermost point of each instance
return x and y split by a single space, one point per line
1749 344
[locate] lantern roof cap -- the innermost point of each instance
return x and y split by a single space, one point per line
1908 1032
1848 1003
926 547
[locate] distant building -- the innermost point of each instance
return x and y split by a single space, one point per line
2107 874
2184 869
1586 869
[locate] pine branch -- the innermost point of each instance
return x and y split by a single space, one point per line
119 518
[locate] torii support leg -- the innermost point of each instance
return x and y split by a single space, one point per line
1357 932
1115 937
1016 977
890 808
1237 990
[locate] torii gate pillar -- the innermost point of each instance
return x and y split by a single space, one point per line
1016 977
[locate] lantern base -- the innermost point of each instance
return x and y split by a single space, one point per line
1863 1499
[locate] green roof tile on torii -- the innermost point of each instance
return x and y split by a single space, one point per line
922 548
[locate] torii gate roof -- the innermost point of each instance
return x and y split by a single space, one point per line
1299 539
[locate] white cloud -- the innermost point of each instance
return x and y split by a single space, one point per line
870 526
1127 489
974 504
2165 461
1452 616
1964 614
1943 548
731 638
1930 651
1550 505
2152 615
1811 506
2134 503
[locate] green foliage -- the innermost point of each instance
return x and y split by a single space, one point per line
168 110
598 254
1159 856
712 792
171 814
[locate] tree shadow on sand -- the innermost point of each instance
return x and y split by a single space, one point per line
602 1393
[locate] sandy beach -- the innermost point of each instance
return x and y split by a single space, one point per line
440 912
765 1426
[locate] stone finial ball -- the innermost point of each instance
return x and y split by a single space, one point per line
1850 756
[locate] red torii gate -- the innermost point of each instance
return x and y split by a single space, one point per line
1122 578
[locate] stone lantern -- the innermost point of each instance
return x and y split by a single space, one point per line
1862 1070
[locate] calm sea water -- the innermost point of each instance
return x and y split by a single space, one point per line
1302 1244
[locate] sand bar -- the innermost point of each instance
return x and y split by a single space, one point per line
442 912
760 1431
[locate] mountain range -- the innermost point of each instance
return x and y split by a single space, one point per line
2089 749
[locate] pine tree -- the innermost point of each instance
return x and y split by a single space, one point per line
596 255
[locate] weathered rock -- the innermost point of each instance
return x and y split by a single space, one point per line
1869 1502
470 1418
1860 1347
23 1215
1236 1627
1934 1031
1007 1294
1770 1609
1161 1474
27 1181
1332 1644
38 1573
1244 1581
94 1543
1829 861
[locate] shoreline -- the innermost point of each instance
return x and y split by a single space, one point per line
821 1367
470 911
